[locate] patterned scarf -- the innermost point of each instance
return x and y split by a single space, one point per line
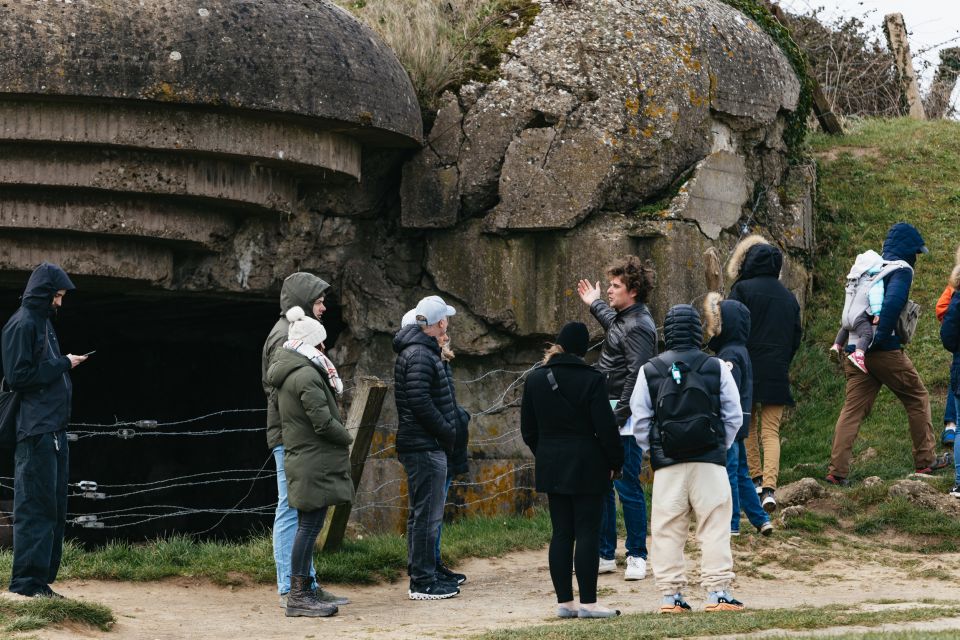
319 360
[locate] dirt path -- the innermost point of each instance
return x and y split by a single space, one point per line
511 591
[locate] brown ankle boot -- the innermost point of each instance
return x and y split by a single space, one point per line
302 601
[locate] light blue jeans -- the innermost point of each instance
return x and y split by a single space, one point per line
284 529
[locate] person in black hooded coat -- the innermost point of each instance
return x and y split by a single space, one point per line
727 328
775 334
34 367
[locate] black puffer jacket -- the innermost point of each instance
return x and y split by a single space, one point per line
775 330
731 346
426 407
683 335
571 431
32 363
631 340
458 461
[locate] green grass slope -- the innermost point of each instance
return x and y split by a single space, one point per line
882 172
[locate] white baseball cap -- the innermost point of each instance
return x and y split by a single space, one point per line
409 318
434 309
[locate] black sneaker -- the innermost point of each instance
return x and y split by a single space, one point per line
767 501
444 573
435 590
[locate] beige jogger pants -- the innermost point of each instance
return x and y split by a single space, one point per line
704 489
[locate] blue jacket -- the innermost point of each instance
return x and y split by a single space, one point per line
950 336
903 242
730 345
32 362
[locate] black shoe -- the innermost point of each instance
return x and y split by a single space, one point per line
435 590
47 592
767 501
444 573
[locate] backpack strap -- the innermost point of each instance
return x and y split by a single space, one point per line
552 379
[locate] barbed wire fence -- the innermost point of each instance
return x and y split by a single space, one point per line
391 494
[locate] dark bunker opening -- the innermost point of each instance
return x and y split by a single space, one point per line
190 362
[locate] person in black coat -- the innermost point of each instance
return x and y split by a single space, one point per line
774 339
566 420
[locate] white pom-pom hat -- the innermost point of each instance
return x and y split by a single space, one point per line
308 330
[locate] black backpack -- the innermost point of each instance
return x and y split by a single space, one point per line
686 411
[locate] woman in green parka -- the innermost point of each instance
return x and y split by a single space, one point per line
316 451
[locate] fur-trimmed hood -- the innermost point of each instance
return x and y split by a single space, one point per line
712 319
736 262
955 274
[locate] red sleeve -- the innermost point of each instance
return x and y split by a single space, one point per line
943 303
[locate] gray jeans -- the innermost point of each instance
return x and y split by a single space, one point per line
426 475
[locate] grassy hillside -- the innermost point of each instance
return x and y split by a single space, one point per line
883 172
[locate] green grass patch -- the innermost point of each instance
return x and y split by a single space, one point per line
885 635
362 561
37 613
653 626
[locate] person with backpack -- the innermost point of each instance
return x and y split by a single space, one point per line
566 420
888 366
686 412
774 339
861 307
727 327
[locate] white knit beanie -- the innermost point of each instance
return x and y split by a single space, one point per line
310 331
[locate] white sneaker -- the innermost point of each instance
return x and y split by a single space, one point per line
607 566
636 568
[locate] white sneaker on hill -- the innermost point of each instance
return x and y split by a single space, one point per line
636 568
607 566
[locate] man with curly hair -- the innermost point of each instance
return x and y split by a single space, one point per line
631 340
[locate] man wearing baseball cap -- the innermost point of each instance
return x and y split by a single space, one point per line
427 417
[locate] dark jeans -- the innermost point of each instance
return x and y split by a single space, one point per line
950 413
446 493
741 488
634 506
39 510
426 477
575 519
309 526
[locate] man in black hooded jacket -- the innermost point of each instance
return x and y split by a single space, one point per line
34 367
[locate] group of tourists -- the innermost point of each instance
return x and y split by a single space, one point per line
710 424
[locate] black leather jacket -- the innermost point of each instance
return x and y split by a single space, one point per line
630 342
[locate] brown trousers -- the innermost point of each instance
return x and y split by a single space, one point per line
895 370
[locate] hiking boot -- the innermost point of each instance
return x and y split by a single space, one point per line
444 573
636 568
326 597
758 484
674 604
607 566
837 480
858 360
302 601
722 601
948 437
767 501
938 463
766 529
435 590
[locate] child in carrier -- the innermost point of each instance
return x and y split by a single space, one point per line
861 309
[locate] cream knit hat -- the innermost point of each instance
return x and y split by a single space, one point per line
310 331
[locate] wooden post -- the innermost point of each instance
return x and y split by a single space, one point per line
828 120
361 422
938 100
899 44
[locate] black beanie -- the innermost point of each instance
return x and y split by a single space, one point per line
574 338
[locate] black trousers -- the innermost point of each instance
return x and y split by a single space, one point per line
39 511
575 519
309 526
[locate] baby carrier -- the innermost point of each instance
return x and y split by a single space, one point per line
857 291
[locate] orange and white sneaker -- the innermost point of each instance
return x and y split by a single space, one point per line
674 604
722 601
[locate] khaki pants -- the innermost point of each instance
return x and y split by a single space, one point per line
895 370
765 434
704 489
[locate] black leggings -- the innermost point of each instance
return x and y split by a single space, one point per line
309 525
575 518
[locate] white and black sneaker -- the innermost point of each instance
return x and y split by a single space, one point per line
446 575
435 590
955 492
767 501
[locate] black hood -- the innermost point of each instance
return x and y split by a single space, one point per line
734 325
762 260
682 329
903 242
413 334
44 282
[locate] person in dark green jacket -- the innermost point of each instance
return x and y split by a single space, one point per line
308 292
316 451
